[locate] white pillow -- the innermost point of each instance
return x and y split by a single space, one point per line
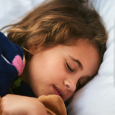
11 10
98 96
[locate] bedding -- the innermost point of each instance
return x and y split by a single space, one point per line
11 10
98 96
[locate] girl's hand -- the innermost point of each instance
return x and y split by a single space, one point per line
21 105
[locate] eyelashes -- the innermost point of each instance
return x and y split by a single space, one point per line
82 80
71 70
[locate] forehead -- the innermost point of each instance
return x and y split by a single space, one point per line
83 45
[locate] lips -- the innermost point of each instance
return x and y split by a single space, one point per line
58 91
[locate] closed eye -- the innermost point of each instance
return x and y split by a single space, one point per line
69 67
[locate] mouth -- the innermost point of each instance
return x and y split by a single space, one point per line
58 91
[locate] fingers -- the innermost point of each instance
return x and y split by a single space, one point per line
21 105
6 105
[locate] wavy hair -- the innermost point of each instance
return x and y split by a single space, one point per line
59 22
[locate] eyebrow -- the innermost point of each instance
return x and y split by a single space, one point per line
78 62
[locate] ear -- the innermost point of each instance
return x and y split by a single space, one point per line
33 49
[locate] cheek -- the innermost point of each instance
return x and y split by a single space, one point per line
55 70
48 72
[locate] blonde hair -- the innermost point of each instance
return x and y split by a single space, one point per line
59 22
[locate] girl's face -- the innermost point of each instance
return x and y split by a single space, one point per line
57 70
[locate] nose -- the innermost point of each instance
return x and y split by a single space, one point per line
70 84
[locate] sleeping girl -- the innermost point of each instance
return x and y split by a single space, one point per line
63 43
